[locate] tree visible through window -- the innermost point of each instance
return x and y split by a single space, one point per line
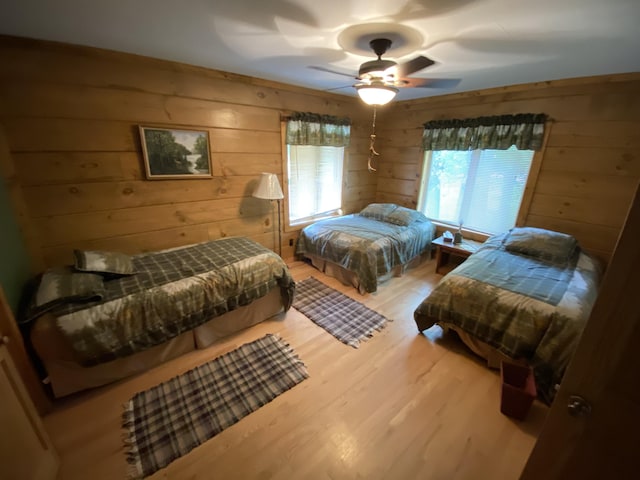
482 189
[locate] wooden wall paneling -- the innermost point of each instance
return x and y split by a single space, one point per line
131 244
617 189
589 166
45 168
359 145
609 134
70 135
595 85
246 141
596 160
160 238
356 161
94 225
92 101
361 195
33 60
400 138
570 108
243 163
532 178
102 196
43 100
263 224
408 201
599 239
399 165
408 154
587 210
401 187
355 179
72 114
389 168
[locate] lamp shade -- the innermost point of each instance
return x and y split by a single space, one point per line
268 187
376 93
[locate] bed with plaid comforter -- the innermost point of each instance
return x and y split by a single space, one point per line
172 291
524 307
368 247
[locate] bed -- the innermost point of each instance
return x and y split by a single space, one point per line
525 296
111 316
369 247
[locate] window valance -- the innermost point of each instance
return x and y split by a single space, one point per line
525 131
304 128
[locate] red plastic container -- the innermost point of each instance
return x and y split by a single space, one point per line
518 390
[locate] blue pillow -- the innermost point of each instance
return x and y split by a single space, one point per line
378 211
541 243
405 216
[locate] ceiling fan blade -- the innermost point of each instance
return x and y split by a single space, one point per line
429 82
338 88
328 70
412 66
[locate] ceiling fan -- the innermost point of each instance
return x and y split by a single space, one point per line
380 79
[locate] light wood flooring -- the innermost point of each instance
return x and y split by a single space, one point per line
403 406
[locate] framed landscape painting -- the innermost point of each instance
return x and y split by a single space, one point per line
171 153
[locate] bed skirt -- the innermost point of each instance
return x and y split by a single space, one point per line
492 355
347 277
67 376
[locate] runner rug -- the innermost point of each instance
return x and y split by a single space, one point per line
343 317
172 418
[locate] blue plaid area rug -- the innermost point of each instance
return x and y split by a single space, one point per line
343 317
172 418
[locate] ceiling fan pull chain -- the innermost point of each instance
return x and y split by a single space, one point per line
372 151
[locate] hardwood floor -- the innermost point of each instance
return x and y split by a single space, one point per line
402 406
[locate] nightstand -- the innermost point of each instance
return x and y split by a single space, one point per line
446 250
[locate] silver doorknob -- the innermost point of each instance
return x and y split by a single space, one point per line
578 406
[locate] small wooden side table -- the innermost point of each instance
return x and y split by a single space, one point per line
446 250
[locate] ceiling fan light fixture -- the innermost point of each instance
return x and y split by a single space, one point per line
376 93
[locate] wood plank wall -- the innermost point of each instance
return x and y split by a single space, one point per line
590 166
71 116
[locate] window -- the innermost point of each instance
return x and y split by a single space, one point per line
315 181
482 189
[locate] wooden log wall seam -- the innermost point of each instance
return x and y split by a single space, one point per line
590 166
71 117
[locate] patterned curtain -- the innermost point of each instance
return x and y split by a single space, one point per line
525 131
305 128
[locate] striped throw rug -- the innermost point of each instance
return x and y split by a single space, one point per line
343 317
172 418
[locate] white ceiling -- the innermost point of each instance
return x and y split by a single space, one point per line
485 43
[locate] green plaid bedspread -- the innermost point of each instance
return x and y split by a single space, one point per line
517 324
172 291
370 248
544 280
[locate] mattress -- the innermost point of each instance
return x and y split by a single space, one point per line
67 376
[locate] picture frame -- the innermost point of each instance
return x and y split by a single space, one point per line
175 153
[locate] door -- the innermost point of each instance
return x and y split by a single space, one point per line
25 449
598 438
